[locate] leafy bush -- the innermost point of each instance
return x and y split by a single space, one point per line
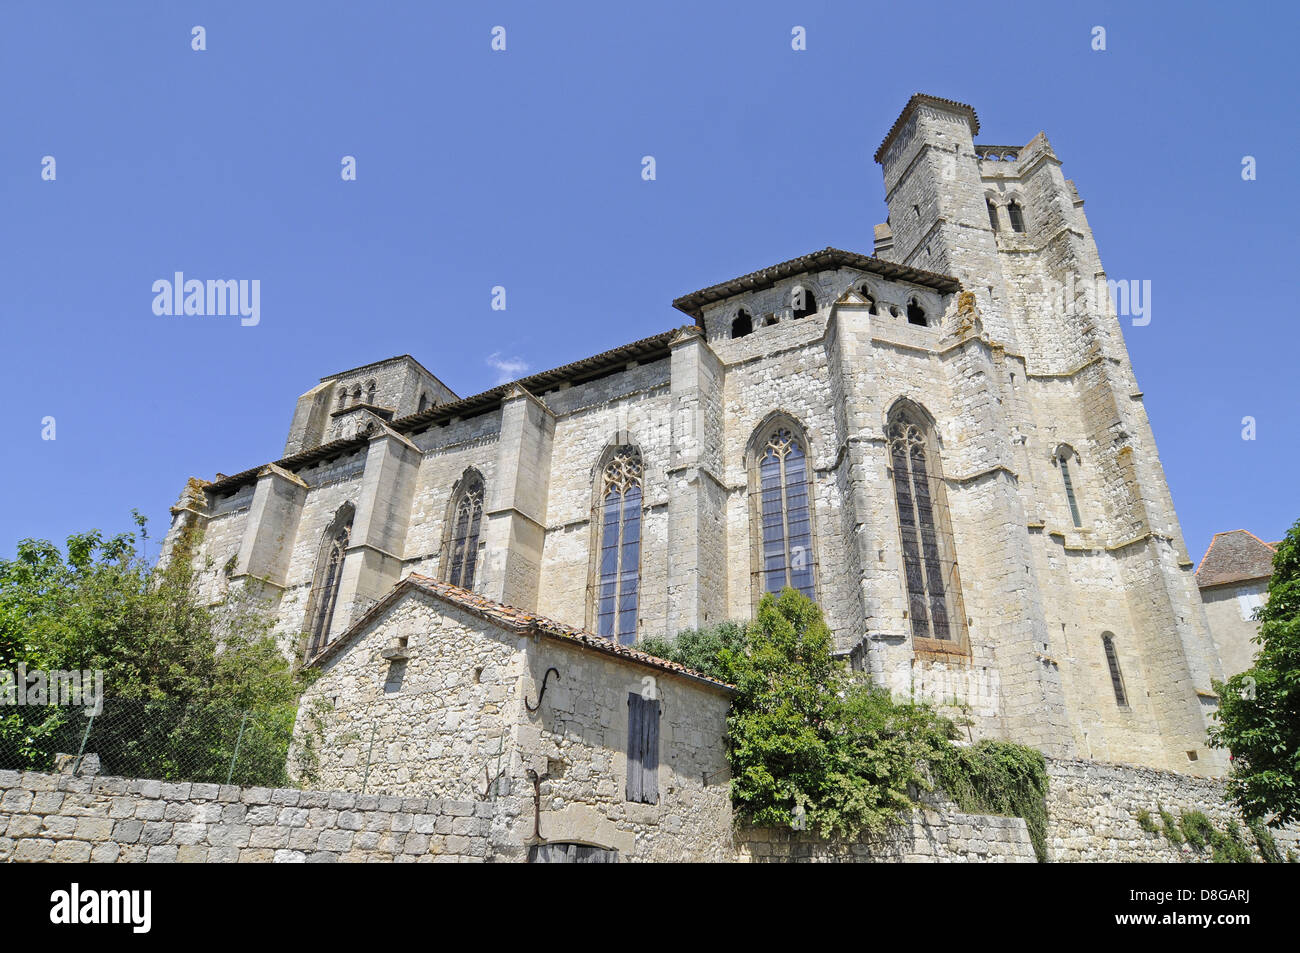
811 743
709 651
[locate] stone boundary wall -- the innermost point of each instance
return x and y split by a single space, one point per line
933 836
1092 816
1092 812
48 817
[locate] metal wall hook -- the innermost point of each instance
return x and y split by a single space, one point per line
543 691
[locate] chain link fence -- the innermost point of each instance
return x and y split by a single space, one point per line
160 740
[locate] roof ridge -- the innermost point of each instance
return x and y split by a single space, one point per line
512 618
829 257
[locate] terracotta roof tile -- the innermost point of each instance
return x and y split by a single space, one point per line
1235 556
514 620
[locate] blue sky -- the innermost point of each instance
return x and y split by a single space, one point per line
522 169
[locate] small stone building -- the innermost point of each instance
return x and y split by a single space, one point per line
438 692
1233 578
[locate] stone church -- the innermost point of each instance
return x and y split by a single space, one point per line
929 440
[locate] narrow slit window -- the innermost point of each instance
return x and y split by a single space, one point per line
1069 488
1116 677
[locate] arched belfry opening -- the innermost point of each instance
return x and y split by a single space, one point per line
742 324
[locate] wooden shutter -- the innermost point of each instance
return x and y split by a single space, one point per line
642 749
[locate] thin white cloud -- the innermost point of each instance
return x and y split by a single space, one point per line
508 368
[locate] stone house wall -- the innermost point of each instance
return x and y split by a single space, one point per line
452 720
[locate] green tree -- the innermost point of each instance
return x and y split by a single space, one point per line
1259 710
182 686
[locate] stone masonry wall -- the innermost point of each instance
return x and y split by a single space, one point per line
1092 812
932 836
53 818
61 818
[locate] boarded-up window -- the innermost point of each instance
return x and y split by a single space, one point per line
642 749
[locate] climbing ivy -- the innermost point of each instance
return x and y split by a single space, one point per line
999 777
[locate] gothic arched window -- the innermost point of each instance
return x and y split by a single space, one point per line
1016 215
1063 457
618 567
464 520
780 487
325 583
929 560
1116 676
993 213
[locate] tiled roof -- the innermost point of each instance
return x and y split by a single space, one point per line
513 620
1235 556
693 304
923 99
